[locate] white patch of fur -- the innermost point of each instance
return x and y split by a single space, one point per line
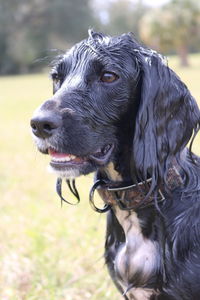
67 174
140 294
112 173
137 254
40 143
45 144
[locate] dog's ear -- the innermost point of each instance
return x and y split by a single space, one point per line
167 117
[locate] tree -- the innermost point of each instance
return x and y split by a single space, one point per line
176 26
28 29
20 23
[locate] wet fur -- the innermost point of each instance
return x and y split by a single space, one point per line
150 116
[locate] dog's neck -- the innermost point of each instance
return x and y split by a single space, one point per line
111 173
119 169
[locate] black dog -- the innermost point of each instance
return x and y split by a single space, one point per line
119 110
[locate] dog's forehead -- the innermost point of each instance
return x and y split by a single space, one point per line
79 51
100 46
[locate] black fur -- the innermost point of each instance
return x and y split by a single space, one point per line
148 115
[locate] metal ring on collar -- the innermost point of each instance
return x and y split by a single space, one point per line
91 198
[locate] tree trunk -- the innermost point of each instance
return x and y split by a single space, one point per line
183 55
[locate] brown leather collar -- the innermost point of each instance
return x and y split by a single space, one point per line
131 197
135 196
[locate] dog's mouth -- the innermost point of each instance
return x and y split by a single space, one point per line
62 161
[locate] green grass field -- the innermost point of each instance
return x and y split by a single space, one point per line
48 252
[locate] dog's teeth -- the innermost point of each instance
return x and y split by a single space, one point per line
73 156
70 157
63 159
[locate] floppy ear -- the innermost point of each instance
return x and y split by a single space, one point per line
166 119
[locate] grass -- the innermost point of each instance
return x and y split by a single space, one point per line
48 252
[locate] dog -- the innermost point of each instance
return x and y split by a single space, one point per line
118 110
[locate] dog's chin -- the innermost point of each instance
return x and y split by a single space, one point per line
69 173
67 165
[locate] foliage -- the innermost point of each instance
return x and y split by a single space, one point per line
176 25
28 29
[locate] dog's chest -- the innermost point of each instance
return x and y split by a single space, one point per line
136 259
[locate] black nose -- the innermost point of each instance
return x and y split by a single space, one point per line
44 126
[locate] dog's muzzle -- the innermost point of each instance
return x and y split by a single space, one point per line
69 158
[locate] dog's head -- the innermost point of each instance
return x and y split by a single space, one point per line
112 98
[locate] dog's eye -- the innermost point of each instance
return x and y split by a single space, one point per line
109 77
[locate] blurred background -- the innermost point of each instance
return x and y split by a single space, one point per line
48 252
31 30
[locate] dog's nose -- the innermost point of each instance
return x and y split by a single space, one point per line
44 126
